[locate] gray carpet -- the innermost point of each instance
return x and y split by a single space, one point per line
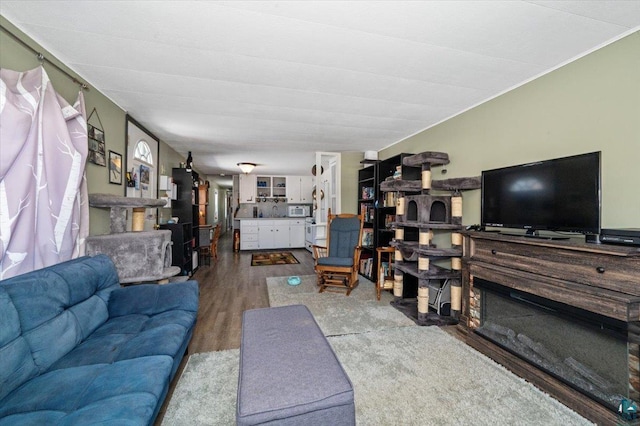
402 374
336 313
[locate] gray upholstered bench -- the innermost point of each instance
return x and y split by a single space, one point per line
289 374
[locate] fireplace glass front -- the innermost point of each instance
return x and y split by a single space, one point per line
587 351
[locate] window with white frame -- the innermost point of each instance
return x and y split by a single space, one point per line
143 152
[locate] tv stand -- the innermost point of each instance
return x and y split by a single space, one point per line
536 236
600 279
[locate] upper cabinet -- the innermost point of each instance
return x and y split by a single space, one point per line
299 189
271 187
248 184
295 189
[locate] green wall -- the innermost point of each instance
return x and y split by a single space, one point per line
591 104
113 118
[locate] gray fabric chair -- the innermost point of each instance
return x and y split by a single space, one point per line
337 264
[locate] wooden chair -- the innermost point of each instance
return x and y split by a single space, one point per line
214 242
337 264
204 247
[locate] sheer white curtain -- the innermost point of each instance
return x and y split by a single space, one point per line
44 214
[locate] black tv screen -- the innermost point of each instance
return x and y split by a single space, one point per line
562 194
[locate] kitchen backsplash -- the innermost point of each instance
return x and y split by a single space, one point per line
268 208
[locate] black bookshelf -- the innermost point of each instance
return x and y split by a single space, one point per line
181 249
367 201
379 208
185 206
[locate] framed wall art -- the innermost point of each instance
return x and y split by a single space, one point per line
115 168
96 141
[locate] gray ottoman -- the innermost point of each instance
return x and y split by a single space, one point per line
289 374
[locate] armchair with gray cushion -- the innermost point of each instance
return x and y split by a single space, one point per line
337 264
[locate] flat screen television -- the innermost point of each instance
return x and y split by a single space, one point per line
561 194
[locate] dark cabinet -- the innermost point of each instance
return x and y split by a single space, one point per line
185 207
181 249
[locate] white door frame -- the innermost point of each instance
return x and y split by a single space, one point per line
144 186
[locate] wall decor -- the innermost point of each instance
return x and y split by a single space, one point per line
96 141
115 168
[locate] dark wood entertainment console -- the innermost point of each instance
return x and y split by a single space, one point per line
602 279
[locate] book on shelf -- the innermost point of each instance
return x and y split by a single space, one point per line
367 237
368 212
384 269
368 193
366 266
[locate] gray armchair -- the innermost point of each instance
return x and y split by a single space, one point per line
337 264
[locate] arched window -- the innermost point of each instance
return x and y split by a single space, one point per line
143 152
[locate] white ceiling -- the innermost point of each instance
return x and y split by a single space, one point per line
272 82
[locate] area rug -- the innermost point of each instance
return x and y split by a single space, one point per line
279 258
336 313
401 376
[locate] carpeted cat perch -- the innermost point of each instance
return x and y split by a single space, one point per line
139 256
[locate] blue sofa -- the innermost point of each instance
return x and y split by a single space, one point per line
76 348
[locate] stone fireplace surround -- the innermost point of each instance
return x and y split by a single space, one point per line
598 283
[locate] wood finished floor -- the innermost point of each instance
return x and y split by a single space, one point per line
228 287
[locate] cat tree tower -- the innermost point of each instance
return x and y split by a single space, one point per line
139 256
438 269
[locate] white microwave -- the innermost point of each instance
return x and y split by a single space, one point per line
299 211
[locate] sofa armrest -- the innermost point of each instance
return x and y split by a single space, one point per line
151 299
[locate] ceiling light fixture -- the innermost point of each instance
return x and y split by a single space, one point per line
246 167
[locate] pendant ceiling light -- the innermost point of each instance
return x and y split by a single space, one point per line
246 167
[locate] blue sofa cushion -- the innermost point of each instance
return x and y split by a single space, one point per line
153 299
57 307
17 364
75 348
125 392
131 336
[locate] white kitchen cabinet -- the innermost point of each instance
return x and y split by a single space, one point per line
247 188
273 234
271 187
299 189
249 235
281 234
265 236
260 234
306 189
296 233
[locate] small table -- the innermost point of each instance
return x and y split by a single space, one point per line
385 272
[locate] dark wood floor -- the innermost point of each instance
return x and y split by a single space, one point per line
228 287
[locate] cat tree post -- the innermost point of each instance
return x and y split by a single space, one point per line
423 207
